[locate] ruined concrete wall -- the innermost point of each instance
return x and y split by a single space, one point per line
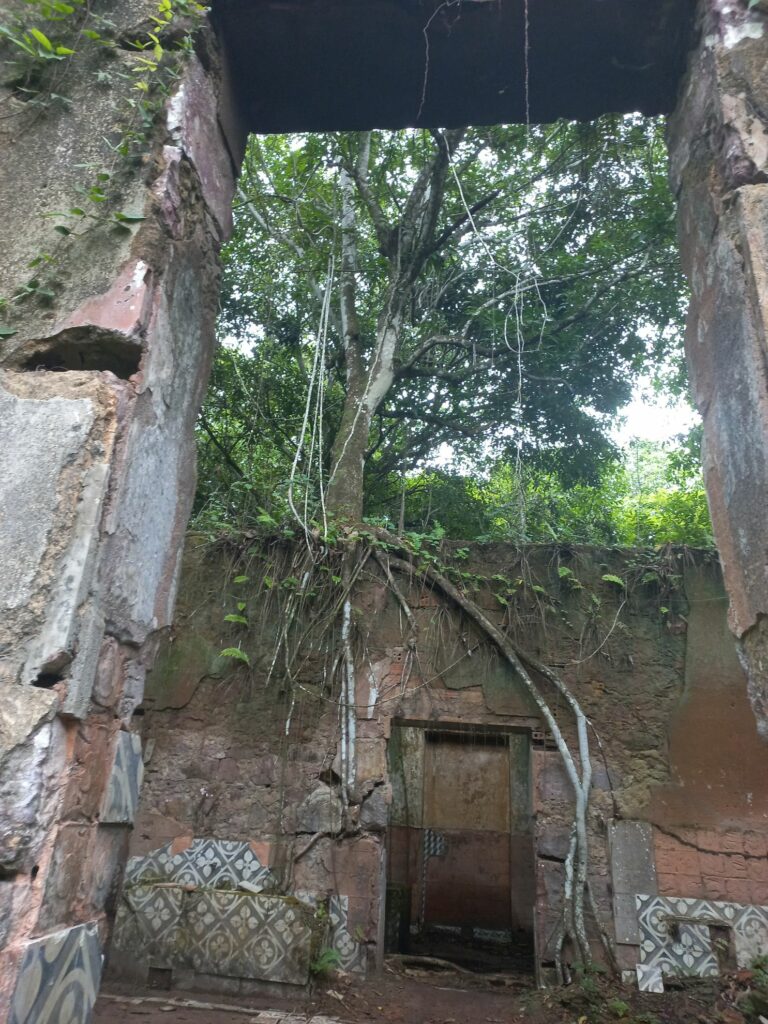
719 171
107 334
236 755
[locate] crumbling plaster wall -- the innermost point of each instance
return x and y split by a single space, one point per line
99 388
130 323
719 171
221 766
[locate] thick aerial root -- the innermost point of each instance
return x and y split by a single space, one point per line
578 767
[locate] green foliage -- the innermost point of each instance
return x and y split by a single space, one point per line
32 48
618 1008
326 961
236 653
27 73
525 327
582 215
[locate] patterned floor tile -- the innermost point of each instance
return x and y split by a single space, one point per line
59 978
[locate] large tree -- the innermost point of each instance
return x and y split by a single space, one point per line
492 290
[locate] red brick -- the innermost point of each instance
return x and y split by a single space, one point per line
733 842
667 884
757 869
713 864
686 862
739 890
735 866
680 885
759 892
755 844
709 839
714 887
666 862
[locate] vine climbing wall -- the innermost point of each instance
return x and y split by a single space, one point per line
246 814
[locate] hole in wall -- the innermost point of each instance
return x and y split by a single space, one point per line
160 977
34 872
85 349
721 937
47 680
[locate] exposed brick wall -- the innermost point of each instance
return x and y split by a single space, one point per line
728 865
222 764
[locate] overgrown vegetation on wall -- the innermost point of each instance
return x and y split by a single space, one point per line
312 593
40 41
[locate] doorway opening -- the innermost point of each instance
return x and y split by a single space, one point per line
460 883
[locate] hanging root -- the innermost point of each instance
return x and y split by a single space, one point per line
578 766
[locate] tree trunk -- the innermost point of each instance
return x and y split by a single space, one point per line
344 499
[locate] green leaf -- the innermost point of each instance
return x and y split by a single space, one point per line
42 38
7 332
236 618
64 51
563 571
62 230
610 578
240 579
236 653
128 218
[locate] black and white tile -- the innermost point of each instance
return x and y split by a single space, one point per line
122 797
675 936
59 978
203 908
206 863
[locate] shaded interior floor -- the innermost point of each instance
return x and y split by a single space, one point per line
472 952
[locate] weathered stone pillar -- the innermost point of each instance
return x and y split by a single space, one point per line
106 338
719 169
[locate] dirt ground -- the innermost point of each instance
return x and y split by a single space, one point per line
408 995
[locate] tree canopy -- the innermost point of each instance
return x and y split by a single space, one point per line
398 301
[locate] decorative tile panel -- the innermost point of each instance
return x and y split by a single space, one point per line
268 938
206 863
352 954
59 978
675 936
234 934
184 909
157 911
122 796
650 978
